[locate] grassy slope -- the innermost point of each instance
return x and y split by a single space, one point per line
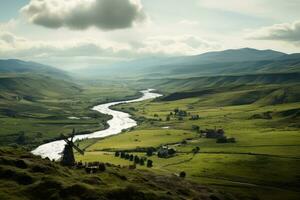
40 106
24 176
262 164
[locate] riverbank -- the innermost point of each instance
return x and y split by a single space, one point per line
119 121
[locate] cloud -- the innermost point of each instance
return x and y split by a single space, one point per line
189 22
289 32
82 14
94 51
175 45
276 9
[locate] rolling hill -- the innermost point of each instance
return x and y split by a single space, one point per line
228 62
13 66
29 80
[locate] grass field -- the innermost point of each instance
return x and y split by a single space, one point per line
262 164
52 110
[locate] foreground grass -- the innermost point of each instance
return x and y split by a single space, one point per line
24 176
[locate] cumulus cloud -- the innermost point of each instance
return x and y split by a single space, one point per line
277 9
177 45
92 51
286 32
82 14
188 22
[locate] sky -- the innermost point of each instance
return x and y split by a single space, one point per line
72 34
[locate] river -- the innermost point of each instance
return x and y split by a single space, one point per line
119 121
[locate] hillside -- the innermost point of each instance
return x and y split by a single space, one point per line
170 85
13 66
24 176
228 62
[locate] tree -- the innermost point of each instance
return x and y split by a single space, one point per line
122 154
131 157
182 174
142 162
117 154
149 163
127 156
176 110
168 118
171 151
136 159
196 150
196 128
150 151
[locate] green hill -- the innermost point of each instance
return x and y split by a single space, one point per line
228 62
13 66
24 176
171 85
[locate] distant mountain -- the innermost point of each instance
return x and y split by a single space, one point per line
12 66
228 62
233 55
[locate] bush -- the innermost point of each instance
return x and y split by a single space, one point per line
102 167
142 162
117 154
136 159
196 128
122 154
149 163
168 118
182 174
196 150
226 140
21 164
150 151
131 157
21 139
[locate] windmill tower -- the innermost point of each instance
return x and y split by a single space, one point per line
68 154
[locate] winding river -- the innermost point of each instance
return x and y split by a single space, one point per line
119 121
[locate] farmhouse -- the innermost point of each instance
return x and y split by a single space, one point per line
165 152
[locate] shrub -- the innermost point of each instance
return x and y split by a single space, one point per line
21 139
122 154
117 154
21 164
149 163
150 151
136 159
196 150
102 167
182 174
168 118
142 162
131 157
196 128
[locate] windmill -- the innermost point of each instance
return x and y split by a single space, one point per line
68 154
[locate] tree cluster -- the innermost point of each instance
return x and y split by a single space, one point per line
134 158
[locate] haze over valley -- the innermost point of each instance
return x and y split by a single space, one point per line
137 99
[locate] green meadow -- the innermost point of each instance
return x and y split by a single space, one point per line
264 160
53 108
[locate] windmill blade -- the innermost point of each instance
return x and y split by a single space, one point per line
72 137
66 140
77 149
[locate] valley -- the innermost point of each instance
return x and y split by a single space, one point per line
236 135
262 162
